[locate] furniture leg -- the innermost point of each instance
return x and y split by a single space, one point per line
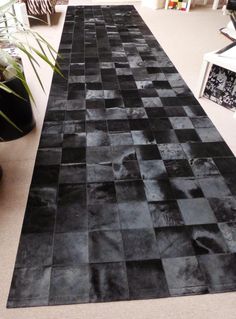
188 5
21 13
49 19
202 77
215 4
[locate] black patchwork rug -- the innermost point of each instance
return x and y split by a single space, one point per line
133 191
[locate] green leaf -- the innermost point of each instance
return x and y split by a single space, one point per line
47 43
44 49
10 121
8 90
41 47
37 75
20 75
29 55
46 60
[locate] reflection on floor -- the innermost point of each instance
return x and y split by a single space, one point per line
133 190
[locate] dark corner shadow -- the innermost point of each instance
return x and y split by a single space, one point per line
42 19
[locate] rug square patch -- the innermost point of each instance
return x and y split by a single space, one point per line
146 279
69 285
108 282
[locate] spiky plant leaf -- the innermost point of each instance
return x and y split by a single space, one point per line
10 33
3 115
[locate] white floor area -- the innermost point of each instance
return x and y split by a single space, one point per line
185 37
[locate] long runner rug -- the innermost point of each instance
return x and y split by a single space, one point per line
133 191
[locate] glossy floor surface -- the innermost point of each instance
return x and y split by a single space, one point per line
133 191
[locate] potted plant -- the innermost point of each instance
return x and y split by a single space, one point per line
16 116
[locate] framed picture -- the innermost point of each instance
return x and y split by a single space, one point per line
182 5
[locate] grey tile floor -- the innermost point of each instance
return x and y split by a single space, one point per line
133 193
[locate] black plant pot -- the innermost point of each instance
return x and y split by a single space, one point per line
19 111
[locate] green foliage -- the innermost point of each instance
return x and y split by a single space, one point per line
15 33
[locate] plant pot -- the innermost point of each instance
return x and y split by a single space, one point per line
19 111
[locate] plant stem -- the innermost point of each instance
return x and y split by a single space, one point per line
1 172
